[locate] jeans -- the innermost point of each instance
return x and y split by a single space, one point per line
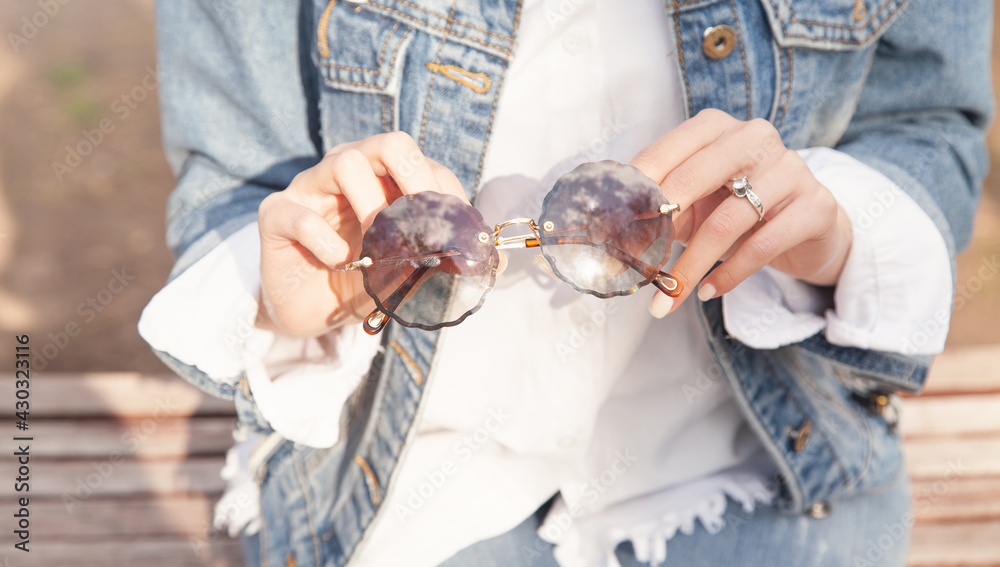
872 530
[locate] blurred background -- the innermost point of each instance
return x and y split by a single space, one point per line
69 221
83 185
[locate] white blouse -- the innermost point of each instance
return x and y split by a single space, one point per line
546 390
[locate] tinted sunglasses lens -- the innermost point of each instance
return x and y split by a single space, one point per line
602 231
433 260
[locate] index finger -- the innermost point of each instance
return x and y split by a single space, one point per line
394 158
398 156
670 150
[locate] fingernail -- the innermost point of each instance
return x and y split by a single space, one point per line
706 292
544 265
660 305
503 263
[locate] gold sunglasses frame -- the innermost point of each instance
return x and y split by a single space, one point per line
377 319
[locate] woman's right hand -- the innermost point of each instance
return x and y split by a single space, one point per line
316 224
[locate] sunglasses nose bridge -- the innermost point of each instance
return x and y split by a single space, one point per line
520 241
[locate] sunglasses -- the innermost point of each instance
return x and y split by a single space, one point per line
429 260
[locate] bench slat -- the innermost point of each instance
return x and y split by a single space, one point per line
121 394
98 518
142 438
965 370
77 481
944 416
958 499
151 552
966 543
955 457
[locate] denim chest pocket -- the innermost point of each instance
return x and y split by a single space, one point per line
830 24
431 68
360 50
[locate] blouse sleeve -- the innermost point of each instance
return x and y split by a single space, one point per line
895 291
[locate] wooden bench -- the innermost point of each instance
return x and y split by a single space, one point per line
125 469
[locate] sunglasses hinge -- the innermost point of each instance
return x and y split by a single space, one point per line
667 208
520 241
365 262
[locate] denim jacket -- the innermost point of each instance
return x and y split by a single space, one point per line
253 93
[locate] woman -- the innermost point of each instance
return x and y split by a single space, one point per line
829 154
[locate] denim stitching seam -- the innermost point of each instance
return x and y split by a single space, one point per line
833 454
373 487
324 23
418 376
493 111
451 20
859 27
680 55
382 101
874 32
402 40
447 29
449 70
430 89
381 56
746 70
297 465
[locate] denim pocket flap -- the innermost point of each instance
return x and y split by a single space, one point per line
831 24
359 50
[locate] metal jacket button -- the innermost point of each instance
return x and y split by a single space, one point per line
879 402
819 510
718 41
800 436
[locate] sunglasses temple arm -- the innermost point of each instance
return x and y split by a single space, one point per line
377 319
668 284
662 280
367 262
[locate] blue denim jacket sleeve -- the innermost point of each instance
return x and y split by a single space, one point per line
925 106
238 111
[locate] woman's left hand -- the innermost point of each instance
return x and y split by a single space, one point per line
805 232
